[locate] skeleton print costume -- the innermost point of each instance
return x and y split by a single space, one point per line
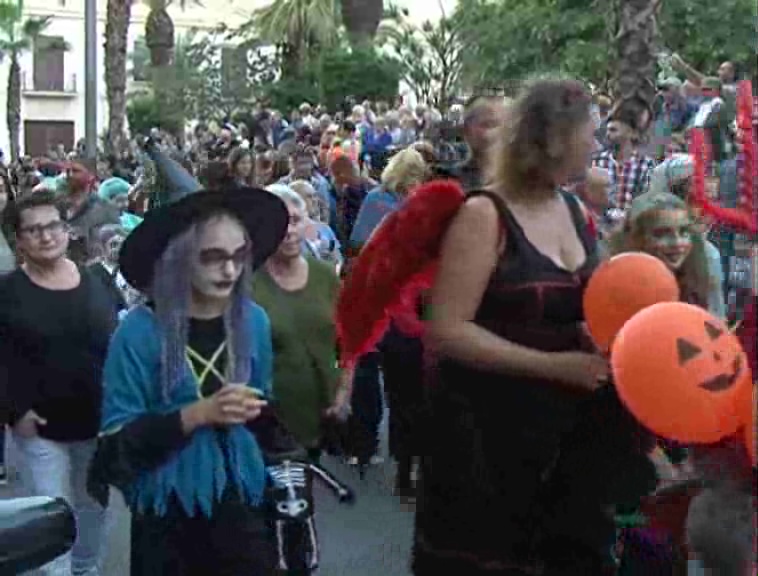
291 502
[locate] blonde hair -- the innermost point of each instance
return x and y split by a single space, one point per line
405 170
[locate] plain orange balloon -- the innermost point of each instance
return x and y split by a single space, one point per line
680 371
621 287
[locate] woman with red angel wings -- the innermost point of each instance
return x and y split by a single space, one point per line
507 268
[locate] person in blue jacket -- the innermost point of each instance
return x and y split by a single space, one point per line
186 377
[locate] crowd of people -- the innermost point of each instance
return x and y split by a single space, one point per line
167 325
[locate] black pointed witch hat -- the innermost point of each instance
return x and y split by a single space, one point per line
263 215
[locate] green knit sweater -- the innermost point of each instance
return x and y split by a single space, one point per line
303 334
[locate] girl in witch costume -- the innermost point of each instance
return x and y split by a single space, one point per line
185 380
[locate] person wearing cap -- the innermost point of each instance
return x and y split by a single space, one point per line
116 191
186 378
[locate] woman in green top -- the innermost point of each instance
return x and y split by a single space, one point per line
299 296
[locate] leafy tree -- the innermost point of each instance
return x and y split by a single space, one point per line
707 33
430 56
361 72
209 79
298 28
507 41
143 113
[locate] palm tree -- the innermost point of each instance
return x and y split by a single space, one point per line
297 27
116 33
636 48
159 32
361 19
17 36
160 39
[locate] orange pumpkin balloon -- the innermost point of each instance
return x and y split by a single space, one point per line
621 287
680 371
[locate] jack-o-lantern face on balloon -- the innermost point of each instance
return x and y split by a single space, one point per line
679 370
711 356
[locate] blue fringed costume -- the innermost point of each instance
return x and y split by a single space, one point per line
195 500
196 475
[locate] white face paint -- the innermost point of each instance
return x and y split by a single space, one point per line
221 253
668 237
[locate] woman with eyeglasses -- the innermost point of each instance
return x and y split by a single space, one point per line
56 320
299 295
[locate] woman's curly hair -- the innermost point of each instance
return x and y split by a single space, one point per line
534 136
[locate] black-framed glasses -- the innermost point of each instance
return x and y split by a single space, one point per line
216 258
54 228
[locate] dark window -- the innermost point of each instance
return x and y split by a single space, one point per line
42 135
48 64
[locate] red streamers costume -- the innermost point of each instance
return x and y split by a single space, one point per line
744 218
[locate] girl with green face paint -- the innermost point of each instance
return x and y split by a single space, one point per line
667 235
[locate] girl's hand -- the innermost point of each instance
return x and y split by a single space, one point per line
232 404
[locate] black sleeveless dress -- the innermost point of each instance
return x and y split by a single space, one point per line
493 439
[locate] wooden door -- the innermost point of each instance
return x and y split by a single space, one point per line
41 135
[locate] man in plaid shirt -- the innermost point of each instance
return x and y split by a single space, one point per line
629 170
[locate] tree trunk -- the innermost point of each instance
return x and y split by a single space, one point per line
361 19
116 33
159 34
635 43
13 107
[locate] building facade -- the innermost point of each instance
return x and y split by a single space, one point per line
52 80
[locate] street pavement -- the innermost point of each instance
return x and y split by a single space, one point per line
370 538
